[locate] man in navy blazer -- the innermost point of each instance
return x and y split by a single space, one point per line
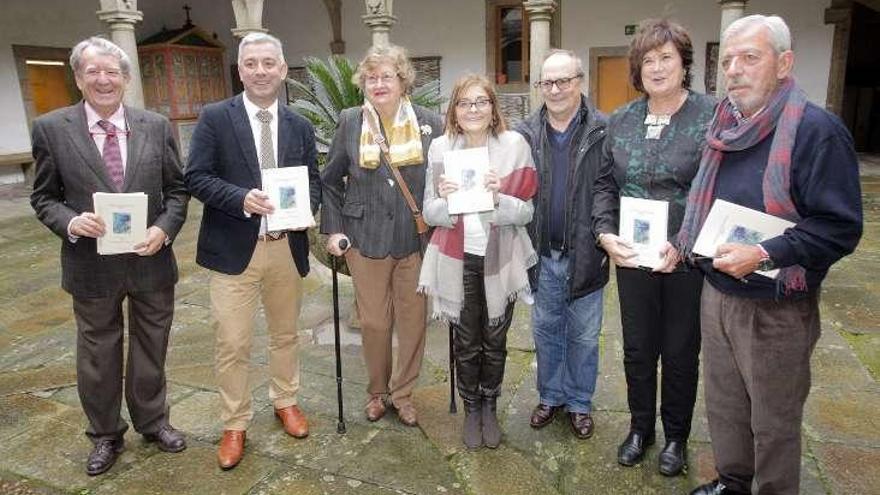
233 140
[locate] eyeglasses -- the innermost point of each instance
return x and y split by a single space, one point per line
384 78
480 104
93 73
562 83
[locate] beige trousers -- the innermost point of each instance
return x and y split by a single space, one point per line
271 277
387 299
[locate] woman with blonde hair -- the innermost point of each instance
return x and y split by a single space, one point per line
377 157
476 264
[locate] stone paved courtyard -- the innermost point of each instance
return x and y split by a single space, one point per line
43 448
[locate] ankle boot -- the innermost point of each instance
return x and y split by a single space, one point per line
491 430
472 434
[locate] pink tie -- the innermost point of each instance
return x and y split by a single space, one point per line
112 154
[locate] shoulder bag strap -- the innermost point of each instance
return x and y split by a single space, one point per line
379 139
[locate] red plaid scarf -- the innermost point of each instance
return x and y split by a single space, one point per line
727 134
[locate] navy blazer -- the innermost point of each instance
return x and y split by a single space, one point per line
222 168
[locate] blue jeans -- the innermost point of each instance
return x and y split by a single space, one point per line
566 338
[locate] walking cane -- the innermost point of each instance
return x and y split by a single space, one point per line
452 407
340 425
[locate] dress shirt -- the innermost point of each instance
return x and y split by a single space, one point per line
256 129
251 108
98 134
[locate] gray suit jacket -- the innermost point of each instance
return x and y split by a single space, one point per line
360 202
69 168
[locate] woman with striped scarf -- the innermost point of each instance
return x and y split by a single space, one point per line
476 264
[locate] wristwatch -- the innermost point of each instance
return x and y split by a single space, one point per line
765 264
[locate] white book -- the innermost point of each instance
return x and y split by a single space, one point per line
468 168
730 222
644 225
288 190
125 219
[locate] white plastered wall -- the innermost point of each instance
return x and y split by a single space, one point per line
452 29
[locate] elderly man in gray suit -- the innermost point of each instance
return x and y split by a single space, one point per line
100 145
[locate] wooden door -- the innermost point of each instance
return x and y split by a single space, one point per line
48 87
613 87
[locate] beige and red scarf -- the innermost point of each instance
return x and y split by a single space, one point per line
509 252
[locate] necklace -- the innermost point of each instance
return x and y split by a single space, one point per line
655 122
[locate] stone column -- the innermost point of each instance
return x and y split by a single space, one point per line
379 18
841 17
334 10
248 17
539 12
121 16
731 10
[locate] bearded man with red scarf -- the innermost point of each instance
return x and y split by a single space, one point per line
771 150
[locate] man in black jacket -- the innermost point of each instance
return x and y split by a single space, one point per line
566 136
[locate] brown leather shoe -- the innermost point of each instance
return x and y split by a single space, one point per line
581 425
542 415
407 414
375 408
231 448
294 421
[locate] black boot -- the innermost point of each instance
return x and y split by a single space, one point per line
491 431
472 433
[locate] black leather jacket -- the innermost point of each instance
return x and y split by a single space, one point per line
588 265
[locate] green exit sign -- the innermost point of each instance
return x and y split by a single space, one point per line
630 29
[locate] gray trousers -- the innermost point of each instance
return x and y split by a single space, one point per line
756 369
99 361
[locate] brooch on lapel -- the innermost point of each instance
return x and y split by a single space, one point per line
426 130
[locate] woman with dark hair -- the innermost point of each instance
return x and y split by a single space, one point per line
368 220
476 264
652 151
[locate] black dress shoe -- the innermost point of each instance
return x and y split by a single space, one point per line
581 425
715 488
167 439
673 458
542 415
103 456
633 448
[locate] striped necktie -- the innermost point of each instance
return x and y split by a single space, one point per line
267 151
112 154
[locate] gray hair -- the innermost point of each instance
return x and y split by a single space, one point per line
780 35
102 47
578 63
256 38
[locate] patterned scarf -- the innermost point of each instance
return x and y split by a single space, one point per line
726 134
509 252
404 140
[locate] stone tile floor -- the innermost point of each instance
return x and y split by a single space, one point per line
43 449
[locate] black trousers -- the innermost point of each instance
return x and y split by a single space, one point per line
480 349
660 314
99 361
